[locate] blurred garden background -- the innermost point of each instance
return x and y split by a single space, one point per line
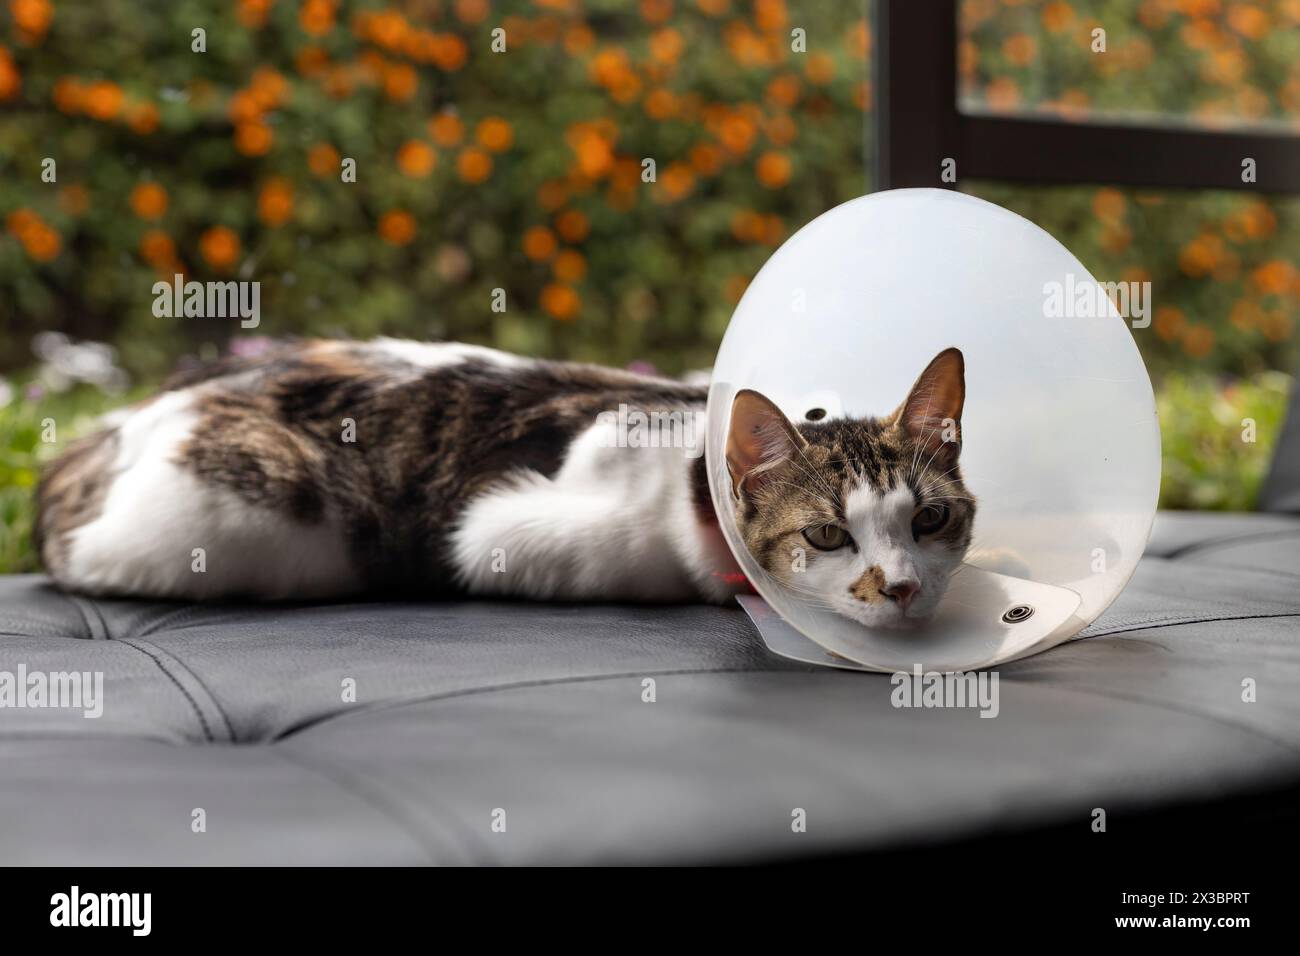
521 170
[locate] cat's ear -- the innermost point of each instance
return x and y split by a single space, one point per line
760 438
931 413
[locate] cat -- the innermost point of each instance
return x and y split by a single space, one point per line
329 469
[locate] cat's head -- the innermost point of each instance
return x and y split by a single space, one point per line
867 517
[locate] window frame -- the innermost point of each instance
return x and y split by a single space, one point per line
918 125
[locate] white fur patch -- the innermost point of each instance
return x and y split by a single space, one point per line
157 513
431 355
613 523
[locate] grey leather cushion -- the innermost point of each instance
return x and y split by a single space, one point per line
466 708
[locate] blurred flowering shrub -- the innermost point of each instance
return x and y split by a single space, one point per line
474 170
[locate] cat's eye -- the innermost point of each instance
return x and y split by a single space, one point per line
826 537
815 414
929 519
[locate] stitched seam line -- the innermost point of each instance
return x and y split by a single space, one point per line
348 784
1179 622
216 704
198 712
540 682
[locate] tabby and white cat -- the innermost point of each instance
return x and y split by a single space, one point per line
327 469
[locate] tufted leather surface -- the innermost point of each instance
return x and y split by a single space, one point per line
463 708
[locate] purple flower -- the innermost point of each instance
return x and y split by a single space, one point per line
642 367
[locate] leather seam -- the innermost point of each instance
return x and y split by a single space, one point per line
1179 622
198 711
540 682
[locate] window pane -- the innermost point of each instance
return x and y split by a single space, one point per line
1205 63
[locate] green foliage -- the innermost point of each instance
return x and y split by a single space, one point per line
1208 461
26 425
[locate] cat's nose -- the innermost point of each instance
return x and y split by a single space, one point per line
901 592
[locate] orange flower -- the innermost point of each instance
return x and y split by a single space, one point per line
450 52
323 160
220 247
735 287
472 11
747 226
143 118
157 247
1201 255
1002 94
275 202
859 39
1273 277
397 227
149 201
1170 322
594 151
569 266
1057 16
495 134
31 17
400 82
416 159
41 242
770 14
446 129
268 88
773 169
560 301
1248 20
19 221
473 165
572 225
706 158
578 38
738 133
666 45
783 90
316 17
676 183
252 13
1198 341
1115 238
781 130
660 104
656 11
1108 205
11 81
539 243
103 100
253 139
74 199
820 68
1019 49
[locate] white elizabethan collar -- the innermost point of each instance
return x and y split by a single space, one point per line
1060 443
